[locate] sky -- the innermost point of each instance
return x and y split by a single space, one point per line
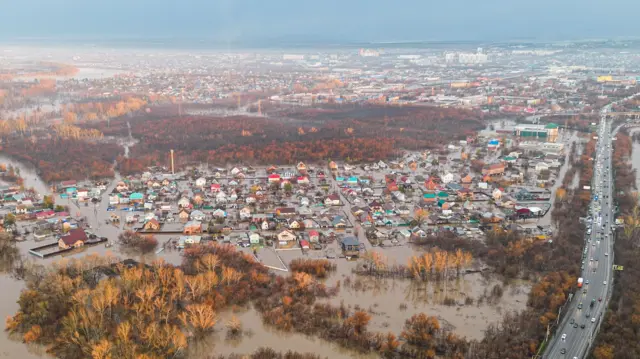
328 20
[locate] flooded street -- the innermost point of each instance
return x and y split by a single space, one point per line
28 172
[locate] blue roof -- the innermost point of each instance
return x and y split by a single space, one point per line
136 195
350 241
494 142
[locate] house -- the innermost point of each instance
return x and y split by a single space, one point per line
151 225
197 215
303 180
350 246
245 213
215 187
338 222
447 177
273 178
21 209
74 239
254 238
465 193
201 182
183 214
332 200
301 167
219 213
304 244
314 236
285 211
333 166
136 197
429 197
403 211
496 169
264 225
286 236
183 202
183 241
192 227
221 197
293 224
375 206
304 201
466 179
114 199
82 193
496 194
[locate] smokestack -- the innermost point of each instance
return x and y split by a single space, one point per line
172 168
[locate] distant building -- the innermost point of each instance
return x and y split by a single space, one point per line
548 132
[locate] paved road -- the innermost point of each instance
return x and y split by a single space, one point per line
597 260
599 247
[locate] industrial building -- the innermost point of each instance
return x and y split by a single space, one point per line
547 133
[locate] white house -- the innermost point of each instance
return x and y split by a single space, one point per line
221 197
265 225
286 236
114 199
197 215
245 213
447 178
497 194
183 202
201 182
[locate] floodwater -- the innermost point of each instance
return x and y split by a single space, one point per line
13 347
382 297
28 173
257 335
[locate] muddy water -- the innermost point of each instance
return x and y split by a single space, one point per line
28 173
257 335
11 347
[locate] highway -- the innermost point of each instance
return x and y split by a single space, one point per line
588 305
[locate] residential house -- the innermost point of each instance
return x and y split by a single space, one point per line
184 241
350 246
305 212
184 202
21 209
264 225
332 200
197 215
136 197
285 211
254 238
183 215
447 178
301 167
303 180
219 213
286 236
274 178
497 194
192 227
375 206
151 225
245 213
293 224
221 197
73 239
496 169
201 182
304 201
338 222
215 187
314 236
403 211
429 197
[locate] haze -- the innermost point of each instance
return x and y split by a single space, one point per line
332 20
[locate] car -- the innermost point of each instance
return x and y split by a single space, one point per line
604 283
245 244
563 351
593 320
588 314
584 291
580 306
575 325
606 254
582 326
572 321
111 208
564 337
586 281
600 299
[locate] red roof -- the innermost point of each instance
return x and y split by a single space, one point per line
313 233
73 236
275 175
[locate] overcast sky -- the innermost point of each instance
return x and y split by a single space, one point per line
332 20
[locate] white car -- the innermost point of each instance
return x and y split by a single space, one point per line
564 337
604 283
606 254
593 320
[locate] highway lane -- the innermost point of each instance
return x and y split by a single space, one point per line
597 267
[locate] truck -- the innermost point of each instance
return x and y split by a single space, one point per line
580 281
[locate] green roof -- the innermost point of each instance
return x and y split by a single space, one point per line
429 195
551 125
443 194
